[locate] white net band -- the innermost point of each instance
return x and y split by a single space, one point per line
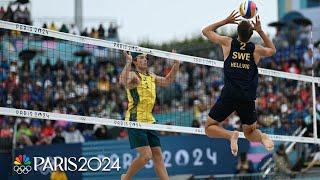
129 124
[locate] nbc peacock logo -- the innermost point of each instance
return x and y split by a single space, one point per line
22 164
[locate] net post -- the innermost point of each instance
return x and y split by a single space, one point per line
314 102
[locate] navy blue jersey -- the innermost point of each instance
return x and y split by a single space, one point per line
240 73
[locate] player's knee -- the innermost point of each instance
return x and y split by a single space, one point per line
157 156
210 122
147 156
206 130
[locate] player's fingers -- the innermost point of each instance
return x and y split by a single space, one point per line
235 13
232 12
237 16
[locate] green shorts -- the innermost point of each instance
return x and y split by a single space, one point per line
143 137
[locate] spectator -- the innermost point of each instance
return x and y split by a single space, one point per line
35 128
104 84
6 131
101 32
58 137
2 12
64 29
18 15
102 133
53 27
123 134
73 135
85 32
8 16
307 58
113 32
195 123
82 89
48 131
94 33
26 18
74 30
282 164
24 134
45 26
244 165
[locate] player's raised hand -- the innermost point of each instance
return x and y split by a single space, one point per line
175 61
257 24
128 56
233 18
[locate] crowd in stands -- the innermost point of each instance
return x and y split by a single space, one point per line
64 88
18 15
100 33
21 14
91 88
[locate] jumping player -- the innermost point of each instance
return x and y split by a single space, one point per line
240 81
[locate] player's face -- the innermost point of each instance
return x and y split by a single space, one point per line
142 61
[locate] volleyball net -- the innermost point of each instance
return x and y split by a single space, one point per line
73 79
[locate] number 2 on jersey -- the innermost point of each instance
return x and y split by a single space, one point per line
242 47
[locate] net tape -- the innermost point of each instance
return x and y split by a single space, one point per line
129 124
126 47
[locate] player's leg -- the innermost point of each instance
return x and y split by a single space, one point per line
157 157
159 167
138 140
219 112
255 135
248 117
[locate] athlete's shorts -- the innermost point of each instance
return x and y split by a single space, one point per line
245 110
143 137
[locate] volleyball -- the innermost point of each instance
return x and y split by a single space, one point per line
248 9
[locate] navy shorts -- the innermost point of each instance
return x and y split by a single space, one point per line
246 110
143 137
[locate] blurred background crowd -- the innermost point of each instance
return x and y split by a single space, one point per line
89 86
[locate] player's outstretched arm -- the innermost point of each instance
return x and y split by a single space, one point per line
127 78
170 77
269 48
208 31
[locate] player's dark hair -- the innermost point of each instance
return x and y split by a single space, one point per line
245 31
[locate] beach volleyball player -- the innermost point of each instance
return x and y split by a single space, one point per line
240 80
141 85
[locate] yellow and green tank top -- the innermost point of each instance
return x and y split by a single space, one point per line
141 100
